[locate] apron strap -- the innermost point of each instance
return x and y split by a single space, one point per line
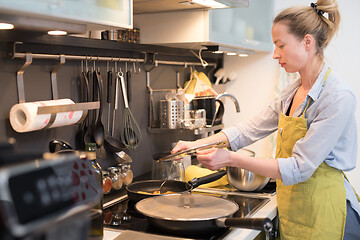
309 99
357 196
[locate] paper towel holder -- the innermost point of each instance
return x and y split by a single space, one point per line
53 110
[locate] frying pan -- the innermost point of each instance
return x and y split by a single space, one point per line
196 214
135 189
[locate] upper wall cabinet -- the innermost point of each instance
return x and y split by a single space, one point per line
232 29
72 16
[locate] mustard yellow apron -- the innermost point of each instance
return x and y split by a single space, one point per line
314 209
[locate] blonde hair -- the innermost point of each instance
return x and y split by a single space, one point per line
311 20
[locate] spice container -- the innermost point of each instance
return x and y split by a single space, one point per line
107 183
115 176
126 174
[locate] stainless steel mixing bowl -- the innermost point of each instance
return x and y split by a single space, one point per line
244 180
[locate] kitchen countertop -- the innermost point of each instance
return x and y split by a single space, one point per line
269 210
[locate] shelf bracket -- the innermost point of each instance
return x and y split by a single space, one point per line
20 78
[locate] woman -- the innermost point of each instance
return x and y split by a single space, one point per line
316 137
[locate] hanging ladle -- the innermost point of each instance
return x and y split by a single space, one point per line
99 131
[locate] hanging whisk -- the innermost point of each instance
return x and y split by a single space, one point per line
130 132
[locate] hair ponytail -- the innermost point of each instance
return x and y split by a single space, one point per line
333 20
320 19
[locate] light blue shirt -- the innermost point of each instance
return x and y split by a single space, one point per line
331 135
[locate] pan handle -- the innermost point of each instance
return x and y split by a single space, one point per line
262 224
206 179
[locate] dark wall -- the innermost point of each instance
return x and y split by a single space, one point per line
37 88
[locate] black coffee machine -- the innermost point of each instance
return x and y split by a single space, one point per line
45 196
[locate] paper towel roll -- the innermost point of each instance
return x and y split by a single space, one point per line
24 117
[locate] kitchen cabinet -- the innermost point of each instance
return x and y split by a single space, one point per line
245 30
72 16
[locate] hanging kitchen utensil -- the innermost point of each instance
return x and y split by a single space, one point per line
84 97
130 132
99 132
112 143
109 97
90 119
98 128
116 97
128 83
196 214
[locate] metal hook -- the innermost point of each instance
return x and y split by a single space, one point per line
54 89
178 79
134 67
136 64
86 64
20 77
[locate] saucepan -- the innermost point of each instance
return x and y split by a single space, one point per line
196 214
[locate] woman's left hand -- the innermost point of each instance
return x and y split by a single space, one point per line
214 158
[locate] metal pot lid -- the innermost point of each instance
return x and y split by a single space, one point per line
186 207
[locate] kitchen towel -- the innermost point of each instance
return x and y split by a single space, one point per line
24 117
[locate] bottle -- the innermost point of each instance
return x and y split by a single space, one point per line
97 226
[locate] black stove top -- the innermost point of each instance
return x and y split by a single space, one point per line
124 216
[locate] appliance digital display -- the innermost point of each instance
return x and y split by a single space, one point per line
50 190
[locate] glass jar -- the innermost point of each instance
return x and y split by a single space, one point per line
177 170
172 168
115 175
126 174
107 183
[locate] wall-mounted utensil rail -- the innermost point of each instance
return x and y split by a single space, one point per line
62 58
105 59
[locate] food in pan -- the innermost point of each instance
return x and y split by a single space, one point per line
155 192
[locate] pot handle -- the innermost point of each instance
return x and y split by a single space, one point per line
195 182
262 224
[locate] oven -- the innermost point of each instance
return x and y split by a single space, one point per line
120 214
